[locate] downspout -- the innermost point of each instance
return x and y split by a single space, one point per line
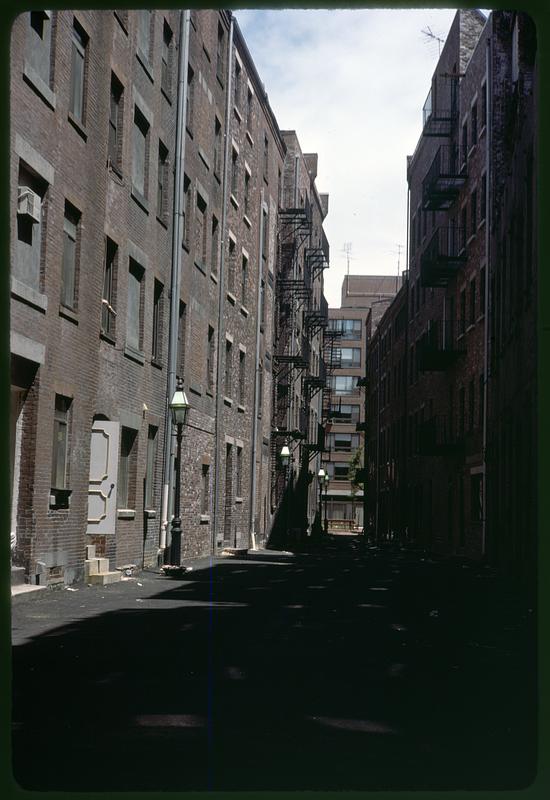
377 436
221 292
256 379
175 278
405 499
488 221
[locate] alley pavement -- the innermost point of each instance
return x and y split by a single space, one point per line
349 667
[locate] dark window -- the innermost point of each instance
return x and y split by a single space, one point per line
108 302
351 357
134 311
476 497
464 142
483 198
220 54
249 109
162 183
244 280
187 212
126 491
239 473
484 105
201 232
38 49
205 489
70 265
217 147
234 172
78 72
190 107
482 291
246 192
150 468
210 359
215 245
115 123
166 60
232 266
473 213
242 377
266 157
180 362
473 126
237 87
158 302
144 33
349 328
140 154
265 234
60 451
228 367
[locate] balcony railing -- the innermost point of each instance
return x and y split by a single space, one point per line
292 205
440 111
444 255
444 179
438 348
436 438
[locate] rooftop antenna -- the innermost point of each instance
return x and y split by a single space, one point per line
347 250
431 36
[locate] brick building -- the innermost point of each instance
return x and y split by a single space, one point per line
365 298
460 215
146 177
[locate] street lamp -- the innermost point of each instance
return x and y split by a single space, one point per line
285 455
327 479
179 409
321 480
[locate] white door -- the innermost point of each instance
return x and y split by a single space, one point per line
103 477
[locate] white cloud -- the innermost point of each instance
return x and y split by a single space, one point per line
352 84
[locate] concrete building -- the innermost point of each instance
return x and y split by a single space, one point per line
365 298
466 200
146 178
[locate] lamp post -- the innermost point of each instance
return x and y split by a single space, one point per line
327 479
321 481
179 409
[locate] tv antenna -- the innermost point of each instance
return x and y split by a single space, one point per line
347 250
432 37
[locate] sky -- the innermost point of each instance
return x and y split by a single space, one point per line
352 83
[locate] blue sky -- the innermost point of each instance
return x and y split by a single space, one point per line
352 84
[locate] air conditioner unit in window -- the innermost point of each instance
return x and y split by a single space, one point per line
28 204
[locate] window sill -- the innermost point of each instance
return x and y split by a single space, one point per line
481 223
228 401
125 513
214 277
234 200
472 149
134 355
115 173
195 389
217 177
78 126
266 180
189 131
250 139
69 314
140 199
231 297
39 86
60 498
241 408
156 363
166 94
244 311
238 500
238 113
200 267
204 519
144 61
210 393
470 239
162 222
203 158
220 80
482 131
108 337
206 52
185 246
29 295
470 327
150 513
247 221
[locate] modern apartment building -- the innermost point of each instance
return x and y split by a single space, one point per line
146 181
428 420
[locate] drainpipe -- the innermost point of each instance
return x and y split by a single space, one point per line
221 292
488 167
377 437
405 487
256 380
175 280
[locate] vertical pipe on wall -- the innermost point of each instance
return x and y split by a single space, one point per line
488 189
175 279
221 292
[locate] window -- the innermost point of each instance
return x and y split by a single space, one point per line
215 245
344 384
349 328
242 377
473 126
126 490
247 192
187 212
351 357
265 234
180 358
217 147
201 232
108 301
144 20
249 109
244 280
162 183
473 213
239 473
134 311
262 304
166 60
340 471
476 497
78 72
60 450
115 123
189 108
343 442
228 367
210 359
156 346
39 43
234 172
345 413
150 468
140 154
237 87
31 225
70 270
266 157
220 60
232 266
205 489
